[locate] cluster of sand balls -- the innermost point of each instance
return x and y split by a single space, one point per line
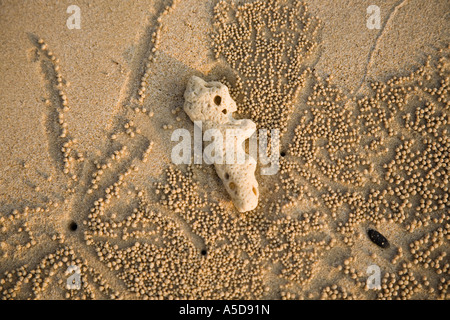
286 295
395 142
291 190
350 271
326 128
290 228
168 267
355 177
177 199
214 224
300 264
95 223
155 43
426 120
422 250
23 282
402 285
381 159
16 234
147 152
59 101
352 140
117 155
151 271
54 266
335 292
266 43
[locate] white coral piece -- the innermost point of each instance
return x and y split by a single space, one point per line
211 103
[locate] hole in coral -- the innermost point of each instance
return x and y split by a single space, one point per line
218 100
254 190
73 226
232 185
224 111
227 176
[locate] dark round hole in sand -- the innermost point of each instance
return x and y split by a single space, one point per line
73 226
282 153
203 252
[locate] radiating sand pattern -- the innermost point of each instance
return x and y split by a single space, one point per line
139 227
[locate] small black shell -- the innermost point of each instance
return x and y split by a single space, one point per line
378 238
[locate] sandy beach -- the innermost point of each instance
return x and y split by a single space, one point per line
89 194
